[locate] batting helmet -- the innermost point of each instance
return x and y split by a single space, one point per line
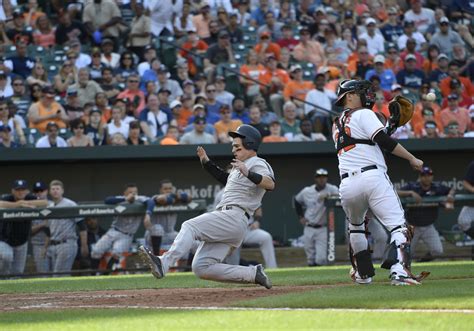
361 87
251 137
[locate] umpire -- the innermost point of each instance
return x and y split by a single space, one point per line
424 217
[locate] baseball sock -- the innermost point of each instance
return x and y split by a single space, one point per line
156 244
113 260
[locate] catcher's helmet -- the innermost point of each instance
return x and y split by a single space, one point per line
251 137
361 87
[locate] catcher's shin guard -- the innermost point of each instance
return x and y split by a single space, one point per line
362 260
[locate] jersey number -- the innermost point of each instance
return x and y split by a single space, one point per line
349 147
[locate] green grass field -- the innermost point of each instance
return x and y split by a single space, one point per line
445 301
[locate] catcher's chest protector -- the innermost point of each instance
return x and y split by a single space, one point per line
344 138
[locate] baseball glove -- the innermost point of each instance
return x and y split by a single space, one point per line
401 110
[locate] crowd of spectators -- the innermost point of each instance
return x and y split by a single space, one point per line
104 72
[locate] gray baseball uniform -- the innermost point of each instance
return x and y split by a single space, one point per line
223 229
315 235
62 249
38 242
120 235
163 225
252 237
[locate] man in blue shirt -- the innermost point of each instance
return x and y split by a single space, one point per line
410 77
387 77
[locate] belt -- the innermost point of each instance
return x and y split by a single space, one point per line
57 242
364 169
316 226
123 232
230 207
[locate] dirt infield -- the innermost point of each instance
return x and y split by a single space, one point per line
178 297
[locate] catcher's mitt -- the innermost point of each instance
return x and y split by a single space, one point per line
401 110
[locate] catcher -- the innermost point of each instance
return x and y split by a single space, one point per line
359 137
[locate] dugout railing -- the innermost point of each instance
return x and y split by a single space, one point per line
95 210
458 238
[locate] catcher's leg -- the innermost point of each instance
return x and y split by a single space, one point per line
359 254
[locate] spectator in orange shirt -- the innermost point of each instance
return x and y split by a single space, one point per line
274 81
455 113
456 87
275 134
431 61
297 87
266 47
430 131
182 111
309 50
393 60
453 72
197 46
225 125
452 130
252 68
427 115
418 114
171 137
134 94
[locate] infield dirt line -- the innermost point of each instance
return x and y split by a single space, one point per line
345 310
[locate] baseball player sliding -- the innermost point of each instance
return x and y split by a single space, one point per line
223 229
359 137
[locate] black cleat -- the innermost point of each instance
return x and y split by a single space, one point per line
153 262
261 278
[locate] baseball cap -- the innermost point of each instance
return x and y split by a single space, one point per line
426 171
196 106
4 128
39 186
408 23
162 69
223 34
453 96
379 59
348 14
3 74
188 82
71 91
396 87
164 90
48 89
95 110
392 10
321 172
20 184
17 13
410 57
107 41
295 67
52 124
454 83
370 20
200 120
175 103
442 56
443 19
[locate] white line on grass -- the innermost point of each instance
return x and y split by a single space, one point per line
344 310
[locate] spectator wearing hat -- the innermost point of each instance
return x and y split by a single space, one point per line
266 47
425 110
109 57
169 84
188 87
73 107
17 29
47 110
75 54
441 71
140 31
225 125
102 17
79 138
181 112
273 82
38 232
393 60
199 110
201 21
20 64
6 138
51 138
287 39
375 40
198 135
456 87
134 94
423 218
275 135
220 52
411 77
95 127
422 17
68 29
453 73
455 113
445 38
223 96
309 50
6 90
297 88
196 46
387 77
392 29
411 33
96 66
156 117
14 235
236 34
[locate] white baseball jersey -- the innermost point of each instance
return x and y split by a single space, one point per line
360 124
315 210
239 190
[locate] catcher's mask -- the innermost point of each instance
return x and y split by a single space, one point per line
361 87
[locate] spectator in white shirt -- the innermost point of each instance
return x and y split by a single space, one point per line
375 41
423 17
51 138
117 125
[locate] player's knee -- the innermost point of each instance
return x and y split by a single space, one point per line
200 268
